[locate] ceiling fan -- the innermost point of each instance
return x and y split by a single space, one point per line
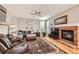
36 13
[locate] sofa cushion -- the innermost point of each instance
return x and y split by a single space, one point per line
19 49
3 35
6 42
2 48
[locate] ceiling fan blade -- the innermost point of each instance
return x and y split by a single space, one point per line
39 12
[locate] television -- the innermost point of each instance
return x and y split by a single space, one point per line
54 33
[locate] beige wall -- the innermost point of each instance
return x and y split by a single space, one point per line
73 15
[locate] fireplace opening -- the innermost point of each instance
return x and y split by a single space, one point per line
68 35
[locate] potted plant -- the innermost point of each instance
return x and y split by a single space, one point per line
44 34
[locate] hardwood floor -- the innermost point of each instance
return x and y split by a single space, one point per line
61 46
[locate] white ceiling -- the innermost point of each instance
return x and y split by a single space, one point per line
48 10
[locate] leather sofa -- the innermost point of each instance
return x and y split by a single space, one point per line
6 47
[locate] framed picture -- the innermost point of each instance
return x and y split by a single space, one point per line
61 20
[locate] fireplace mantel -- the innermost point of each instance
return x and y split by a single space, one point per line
74 24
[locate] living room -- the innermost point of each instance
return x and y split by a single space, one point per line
39 29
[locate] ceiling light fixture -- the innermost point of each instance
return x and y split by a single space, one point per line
36 14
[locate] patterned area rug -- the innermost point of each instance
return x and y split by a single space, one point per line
39 46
